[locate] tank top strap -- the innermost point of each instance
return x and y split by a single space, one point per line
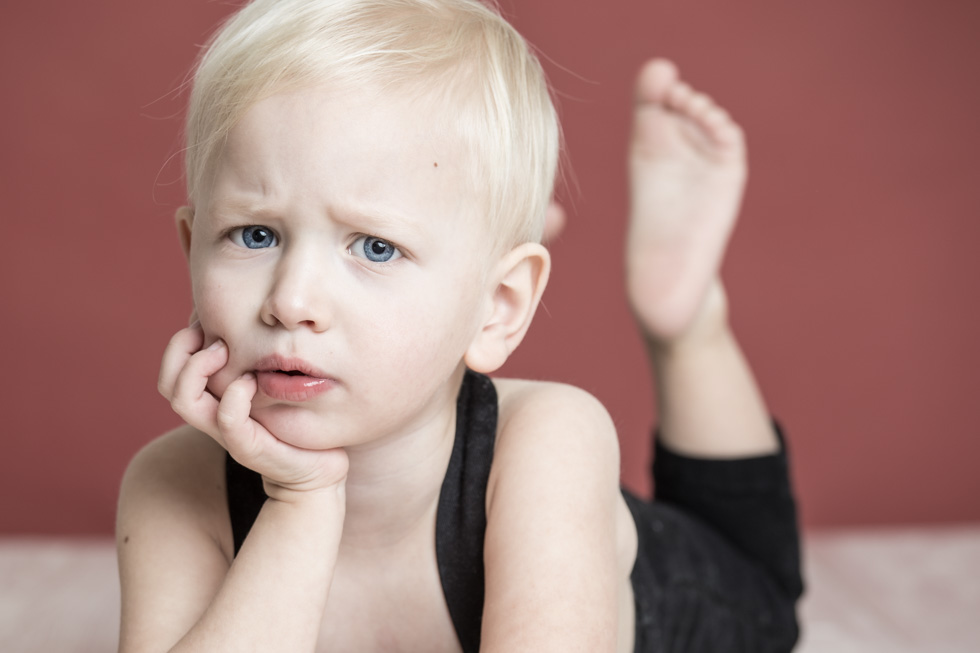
246 495
461 521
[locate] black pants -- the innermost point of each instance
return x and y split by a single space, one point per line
718 562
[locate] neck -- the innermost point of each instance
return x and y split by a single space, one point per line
393 486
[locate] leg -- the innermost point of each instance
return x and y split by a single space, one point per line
729 554
687 163
695 592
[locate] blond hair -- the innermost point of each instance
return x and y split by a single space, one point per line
461 53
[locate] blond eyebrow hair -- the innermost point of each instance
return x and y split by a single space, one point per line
383 222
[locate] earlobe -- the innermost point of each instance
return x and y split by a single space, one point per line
185 221
518 285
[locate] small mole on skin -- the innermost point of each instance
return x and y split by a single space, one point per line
126 540
435 164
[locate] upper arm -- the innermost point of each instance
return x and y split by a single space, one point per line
173 537
551 555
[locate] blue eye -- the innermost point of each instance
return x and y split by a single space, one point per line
375 249
254 237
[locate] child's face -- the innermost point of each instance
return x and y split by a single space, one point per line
338 240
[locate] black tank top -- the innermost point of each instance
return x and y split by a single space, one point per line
461 519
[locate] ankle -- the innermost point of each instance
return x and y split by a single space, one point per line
709 326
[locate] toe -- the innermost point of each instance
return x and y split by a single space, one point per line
655 80
716 116
678 97
698 105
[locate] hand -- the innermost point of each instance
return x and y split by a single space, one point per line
287 470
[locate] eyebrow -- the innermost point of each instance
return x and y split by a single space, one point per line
236 209
379 222
364 218
239 203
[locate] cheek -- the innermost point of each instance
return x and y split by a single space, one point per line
221 311
419 355
433 330
219 302
212 310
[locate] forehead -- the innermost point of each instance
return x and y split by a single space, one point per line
348 150
322 132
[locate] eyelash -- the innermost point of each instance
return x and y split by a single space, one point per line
354 248
237 235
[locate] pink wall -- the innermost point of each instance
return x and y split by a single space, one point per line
853 273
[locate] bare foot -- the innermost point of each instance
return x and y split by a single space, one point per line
688 170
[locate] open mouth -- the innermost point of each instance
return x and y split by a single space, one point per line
291 379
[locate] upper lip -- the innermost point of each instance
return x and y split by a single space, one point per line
279 363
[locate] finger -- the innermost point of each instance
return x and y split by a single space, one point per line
181 347
240 434
253 446
190 398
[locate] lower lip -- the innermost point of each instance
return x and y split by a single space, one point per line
285 387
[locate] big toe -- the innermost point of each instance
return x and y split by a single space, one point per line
654 80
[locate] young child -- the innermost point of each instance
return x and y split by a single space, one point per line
368 181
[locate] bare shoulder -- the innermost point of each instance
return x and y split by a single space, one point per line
543 423
539 416
173 536
556 533
181 472
552 435
562 435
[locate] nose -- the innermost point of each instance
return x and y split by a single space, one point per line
299 293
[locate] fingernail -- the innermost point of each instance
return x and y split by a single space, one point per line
217 344
196 324
248 376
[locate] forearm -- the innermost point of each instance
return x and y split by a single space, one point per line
709 403
276 590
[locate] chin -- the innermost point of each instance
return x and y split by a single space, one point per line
294 426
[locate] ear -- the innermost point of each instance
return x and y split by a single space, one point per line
184 218
517 286
185 221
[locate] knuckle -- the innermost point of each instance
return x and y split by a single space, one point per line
225 417
177 340
180 405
